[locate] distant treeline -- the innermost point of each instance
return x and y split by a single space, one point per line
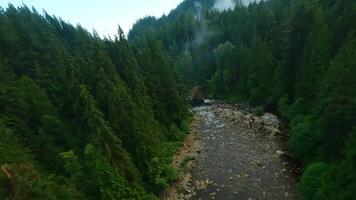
83 117
296 58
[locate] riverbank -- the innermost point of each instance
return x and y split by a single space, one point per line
240 156
184 161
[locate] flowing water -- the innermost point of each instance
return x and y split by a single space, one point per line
236 162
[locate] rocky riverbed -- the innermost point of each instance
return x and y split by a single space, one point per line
232 154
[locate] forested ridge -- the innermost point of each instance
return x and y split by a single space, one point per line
83 117
296 58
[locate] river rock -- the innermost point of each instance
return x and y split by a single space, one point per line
280 153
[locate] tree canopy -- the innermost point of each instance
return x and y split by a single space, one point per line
295 58
83 117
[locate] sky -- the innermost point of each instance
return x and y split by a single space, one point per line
102 15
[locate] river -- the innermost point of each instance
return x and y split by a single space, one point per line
237 161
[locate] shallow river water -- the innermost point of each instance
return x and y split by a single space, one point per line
237 162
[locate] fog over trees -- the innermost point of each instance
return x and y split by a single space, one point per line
84 117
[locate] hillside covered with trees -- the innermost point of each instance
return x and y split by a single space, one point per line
83 117
296 58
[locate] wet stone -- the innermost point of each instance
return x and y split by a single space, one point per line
238 159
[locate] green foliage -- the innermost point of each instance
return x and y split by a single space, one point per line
11 151
340 181
88 113
71 163
295 58
289 111
169 149
161 174
224 79
120 105
259 111
311 180
23 181
304 140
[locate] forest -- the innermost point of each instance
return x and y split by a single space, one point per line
296 58
82 117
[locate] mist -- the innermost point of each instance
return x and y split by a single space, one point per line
204 31
247 2
223 5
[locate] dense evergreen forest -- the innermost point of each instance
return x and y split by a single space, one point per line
296 58
83 117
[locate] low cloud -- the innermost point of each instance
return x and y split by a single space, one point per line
246 2
222 5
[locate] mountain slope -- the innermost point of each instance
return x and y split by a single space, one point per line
295 58
82 117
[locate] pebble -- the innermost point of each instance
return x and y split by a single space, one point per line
279 152
244 159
